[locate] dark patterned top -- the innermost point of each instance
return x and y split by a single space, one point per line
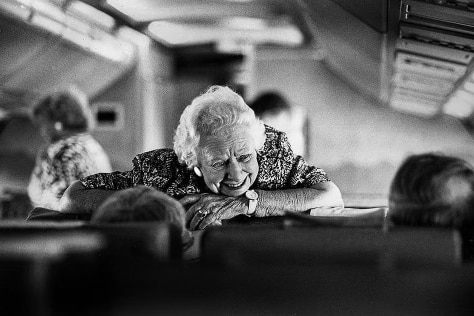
279 168
60 163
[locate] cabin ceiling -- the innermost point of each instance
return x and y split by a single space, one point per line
421 63
222 22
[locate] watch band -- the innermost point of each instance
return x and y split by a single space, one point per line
252 198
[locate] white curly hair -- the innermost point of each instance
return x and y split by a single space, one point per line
215 112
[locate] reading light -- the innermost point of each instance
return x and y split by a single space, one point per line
182 33
414 107
469 86
91 14
461 105
244 23
172 33
17 8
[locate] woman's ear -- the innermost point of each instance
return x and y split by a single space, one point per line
198 171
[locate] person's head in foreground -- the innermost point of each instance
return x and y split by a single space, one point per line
218 136
142 204
63 113
432 189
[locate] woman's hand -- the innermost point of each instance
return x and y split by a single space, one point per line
205 209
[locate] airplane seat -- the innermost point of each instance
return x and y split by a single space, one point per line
32 261
158 242
45 214
467 234
306 246
68 267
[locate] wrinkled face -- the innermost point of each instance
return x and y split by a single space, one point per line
229 165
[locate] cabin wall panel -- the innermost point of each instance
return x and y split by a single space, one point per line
358 141
121 145
146 95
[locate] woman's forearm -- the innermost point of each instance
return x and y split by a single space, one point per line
274 203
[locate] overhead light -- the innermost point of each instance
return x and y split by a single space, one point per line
91 14
244 23
173 33
16 8
47 24
469 86
415 107
188 33
121 5
141 10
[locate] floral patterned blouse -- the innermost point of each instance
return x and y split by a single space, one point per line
60 163
279 168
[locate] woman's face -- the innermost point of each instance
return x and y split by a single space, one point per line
228 164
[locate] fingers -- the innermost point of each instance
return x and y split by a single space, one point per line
194 221
210 219
203 218
191 213
189 199
208 210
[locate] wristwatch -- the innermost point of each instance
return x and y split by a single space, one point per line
252 198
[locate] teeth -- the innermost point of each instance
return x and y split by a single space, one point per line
235 185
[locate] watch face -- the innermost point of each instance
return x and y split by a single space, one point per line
251 195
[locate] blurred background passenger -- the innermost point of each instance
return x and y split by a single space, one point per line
432 189
64 120
143 204
275 110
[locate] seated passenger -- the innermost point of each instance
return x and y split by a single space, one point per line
432 189
64 120
142 204
225 163
274 110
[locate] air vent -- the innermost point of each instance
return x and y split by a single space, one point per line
451 17
429 67
437 36
434 53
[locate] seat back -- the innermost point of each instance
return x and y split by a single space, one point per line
56 265
316 246
159 241
44 214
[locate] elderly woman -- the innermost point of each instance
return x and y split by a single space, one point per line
64 119
225 163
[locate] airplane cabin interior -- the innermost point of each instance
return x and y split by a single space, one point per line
374 82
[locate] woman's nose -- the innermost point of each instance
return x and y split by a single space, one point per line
234 170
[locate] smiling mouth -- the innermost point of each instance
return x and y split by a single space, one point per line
235 185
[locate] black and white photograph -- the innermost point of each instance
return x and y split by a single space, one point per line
236 157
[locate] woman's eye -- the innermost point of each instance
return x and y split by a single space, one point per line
218 165
245 158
